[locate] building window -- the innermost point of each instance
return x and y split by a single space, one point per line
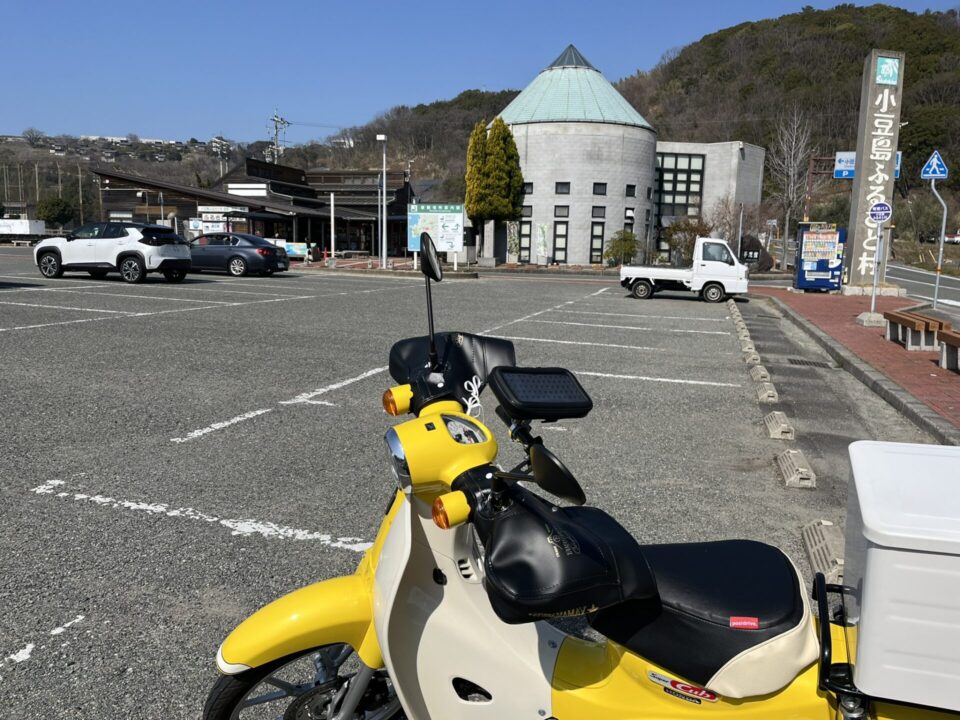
596 242
561 211
525 226
679 180
562 188
631 190
646 215
628 214
560 242
599 188
649 192
528 188
526 211
599 211
628 226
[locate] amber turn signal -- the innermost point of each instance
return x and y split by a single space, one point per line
450 509
396 400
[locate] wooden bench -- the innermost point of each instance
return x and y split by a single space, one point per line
913 330
949 350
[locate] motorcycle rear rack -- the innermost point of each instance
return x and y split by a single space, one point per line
833 677
837 678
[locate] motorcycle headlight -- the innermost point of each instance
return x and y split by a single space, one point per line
398 459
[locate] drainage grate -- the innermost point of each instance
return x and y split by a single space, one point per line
810 363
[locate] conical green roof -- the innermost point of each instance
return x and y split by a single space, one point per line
571 90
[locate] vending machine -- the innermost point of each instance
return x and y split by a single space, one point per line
819 262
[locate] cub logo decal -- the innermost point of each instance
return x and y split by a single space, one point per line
678 686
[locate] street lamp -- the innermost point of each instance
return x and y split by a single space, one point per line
146 199
383 232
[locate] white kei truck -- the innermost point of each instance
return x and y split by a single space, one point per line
714 274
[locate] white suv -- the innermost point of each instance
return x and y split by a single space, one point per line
132 249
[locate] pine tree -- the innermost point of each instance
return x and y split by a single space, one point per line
477 188
502 170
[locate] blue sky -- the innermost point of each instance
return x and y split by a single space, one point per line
177 69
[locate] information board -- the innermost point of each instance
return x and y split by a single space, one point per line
443 222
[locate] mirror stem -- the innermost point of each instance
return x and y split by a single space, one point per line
432 358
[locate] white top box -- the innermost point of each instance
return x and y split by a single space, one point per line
902 563
909 495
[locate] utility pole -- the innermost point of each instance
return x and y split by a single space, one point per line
279 124
23 207
36 179
59 182
816 166
80 191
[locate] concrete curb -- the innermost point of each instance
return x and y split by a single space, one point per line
906 404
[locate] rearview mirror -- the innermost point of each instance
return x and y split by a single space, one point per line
430 265
553 476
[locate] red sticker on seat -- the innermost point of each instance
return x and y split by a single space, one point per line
744 623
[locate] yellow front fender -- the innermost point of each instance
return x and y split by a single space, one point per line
339 610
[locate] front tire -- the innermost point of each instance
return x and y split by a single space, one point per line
713 293
49 264
131 269
237 266
299 687
174 276
642 289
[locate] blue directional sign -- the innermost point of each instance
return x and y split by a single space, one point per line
881 212
935 169
844 165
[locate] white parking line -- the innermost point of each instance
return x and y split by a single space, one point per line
145 297
220 425
575 342
26 652
646 378
631 327
190 288
64 322
654 317
308 396
599 292
52 287
245 528
64 307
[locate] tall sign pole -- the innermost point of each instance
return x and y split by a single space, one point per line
935 169
877 139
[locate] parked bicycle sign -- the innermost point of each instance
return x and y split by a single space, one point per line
881 212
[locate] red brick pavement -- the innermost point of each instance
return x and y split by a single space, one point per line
916 372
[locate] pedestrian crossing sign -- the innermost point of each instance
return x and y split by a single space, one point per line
935 169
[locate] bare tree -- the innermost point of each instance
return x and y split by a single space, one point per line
724 216
787 163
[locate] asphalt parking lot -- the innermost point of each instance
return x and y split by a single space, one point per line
175 456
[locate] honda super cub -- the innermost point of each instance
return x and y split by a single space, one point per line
448 614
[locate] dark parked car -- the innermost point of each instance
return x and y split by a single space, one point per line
238 254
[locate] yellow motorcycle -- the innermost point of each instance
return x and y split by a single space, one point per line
453 612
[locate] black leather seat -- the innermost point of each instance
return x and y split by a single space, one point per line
715 601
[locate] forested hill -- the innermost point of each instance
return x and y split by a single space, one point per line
732 84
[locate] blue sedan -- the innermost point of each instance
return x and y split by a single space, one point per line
237 254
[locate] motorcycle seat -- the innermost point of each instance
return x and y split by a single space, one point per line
731 616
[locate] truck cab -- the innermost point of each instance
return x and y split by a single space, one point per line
715 274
